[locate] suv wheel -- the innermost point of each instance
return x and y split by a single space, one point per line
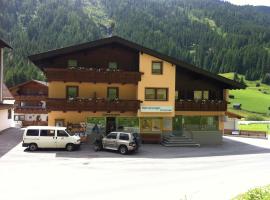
69 147
33 147
123 150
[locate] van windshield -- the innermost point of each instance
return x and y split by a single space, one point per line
68 132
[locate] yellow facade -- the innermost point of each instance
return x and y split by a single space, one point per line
130 92
165 80
88 90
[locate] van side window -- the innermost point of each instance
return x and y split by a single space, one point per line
32 132
123 136
48 133
61 133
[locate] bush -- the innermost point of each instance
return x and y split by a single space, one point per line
254 118
258 84
255 194
231 96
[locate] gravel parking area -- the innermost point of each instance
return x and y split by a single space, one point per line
155 172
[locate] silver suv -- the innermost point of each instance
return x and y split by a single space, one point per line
119 141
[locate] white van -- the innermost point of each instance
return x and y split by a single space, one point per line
35 137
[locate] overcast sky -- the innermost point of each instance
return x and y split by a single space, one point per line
251 2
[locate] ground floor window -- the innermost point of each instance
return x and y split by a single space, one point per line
9 113
59 122
198 122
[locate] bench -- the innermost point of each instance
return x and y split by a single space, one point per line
151 137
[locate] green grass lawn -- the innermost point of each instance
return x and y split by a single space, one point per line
255 127
254 100
262 193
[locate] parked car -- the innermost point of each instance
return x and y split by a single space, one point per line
35 137
119 141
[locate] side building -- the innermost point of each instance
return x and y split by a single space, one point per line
115 84
30 105
6 99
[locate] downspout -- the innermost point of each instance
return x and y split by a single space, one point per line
1 74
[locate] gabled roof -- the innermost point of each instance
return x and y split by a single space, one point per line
4 44
6 93
233 115
115 39
42 83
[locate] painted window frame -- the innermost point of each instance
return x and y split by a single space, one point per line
117 92
70 86
156 89
161 68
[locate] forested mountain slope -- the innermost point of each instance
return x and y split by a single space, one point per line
217 36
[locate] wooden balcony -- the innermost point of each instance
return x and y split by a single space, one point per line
30 97
93 105
201 105
34 123
91 75
31 110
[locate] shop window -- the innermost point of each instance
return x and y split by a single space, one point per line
200 122
167 124
146 124
151 124
72 63
72 91
156 94
156 124
112 93
157 67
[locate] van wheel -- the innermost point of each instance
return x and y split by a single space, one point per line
33 147
123 150
69 147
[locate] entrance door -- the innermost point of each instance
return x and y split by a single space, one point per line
110 124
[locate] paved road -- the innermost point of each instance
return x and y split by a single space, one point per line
156 172
9 138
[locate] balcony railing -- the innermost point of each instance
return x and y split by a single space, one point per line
92 105
201 105
91 75
30 97
31 109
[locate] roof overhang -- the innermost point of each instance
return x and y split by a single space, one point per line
4 44
37 58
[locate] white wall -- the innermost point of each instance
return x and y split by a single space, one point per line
33 117
4 121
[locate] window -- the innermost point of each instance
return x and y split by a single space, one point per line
198 95
157 67
176 95
47 133
19 117
124 136
32 132
112 65
112 136
9 113
72 91
72 63
156 94
59 122
112 93
61 133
